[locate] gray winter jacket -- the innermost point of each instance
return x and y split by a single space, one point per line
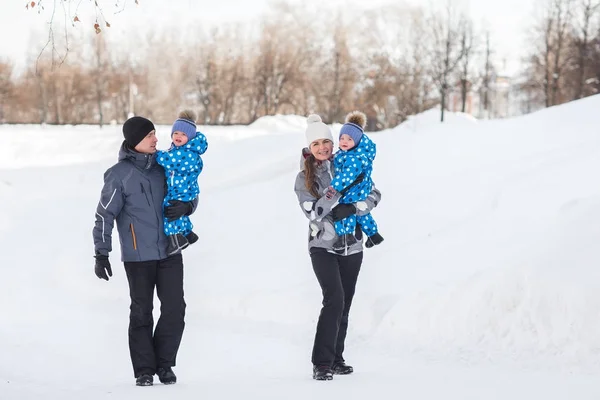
133 194
321 231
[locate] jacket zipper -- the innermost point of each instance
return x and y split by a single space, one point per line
345 245
133 236
144 192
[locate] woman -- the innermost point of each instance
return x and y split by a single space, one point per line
336 270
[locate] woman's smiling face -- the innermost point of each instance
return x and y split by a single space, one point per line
321 149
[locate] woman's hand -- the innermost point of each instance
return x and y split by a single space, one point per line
342 211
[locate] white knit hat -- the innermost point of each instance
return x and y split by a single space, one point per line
316 129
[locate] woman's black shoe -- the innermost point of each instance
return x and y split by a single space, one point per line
166 376
322 373
340 368
144 380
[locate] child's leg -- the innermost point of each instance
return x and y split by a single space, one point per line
177 239
367 224
175 231
187 230
181 225
369 227
345 226
185 225
345 234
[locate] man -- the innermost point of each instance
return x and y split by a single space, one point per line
133 194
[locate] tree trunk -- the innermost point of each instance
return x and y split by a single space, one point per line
463 92
443 107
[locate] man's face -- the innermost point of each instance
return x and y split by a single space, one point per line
148 144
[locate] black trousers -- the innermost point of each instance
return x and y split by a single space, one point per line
151 351
337 276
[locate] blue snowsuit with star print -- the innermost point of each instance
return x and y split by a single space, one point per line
347 166
182 165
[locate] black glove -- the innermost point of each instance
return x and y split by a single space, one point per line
177 209
342 211
359 179
102 267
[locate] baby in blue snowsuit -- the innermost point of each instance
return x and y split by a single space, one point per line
182 164
355 158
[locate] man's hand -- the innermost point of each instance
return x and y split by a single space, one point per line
178 209
102 268
342 211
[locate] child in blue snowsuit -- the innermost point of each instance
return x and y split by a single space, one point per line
355 158
182 164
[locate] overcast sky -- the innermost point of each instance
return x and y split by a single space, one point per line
508 19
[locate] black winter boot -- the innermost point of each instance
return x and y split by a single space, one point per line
191 237
166 376
340 368
322 373
177 243
144 380
374 240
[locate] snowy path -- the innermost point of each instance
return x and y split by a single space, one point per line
232 360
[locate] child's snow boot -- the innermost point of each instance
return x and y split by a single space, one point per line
374 240
176 243
191 237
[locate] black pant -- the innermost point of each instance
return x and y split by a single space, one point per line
337 276
148 351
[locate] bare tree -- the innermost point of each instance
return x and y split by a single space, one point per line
446 52
547 59
466 48
487 75
338 73
43 103
65 13
418 95
6 86
562 13
206 81
589 9
100 81
551 52
284 50
231 86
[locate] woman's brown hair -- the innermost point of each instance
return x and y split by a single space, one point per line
310 175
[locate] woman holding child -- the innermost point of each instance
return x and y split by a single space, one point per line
336 259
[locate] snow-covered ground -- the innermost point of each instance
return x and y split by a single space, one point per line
486 287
